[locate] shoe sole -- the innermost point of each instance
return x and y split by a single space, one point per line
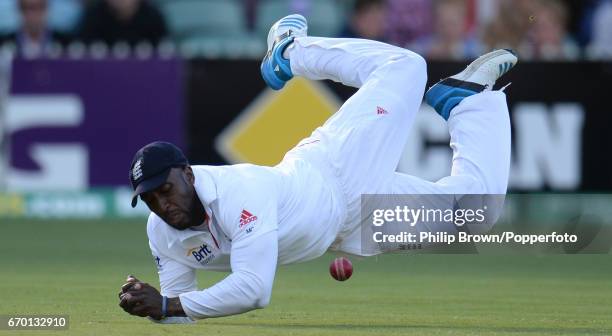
474 66
295 22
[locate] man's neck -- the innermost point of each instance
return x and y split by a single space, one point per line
199 216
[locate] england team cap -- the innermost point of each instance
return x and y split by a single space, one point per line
151 166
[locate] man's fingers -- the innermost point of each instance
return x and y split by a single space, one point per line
131 286
131 281
123 303
127 286
134 297
130 300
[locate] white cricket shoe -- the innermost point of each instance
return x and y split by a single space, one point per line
479 76
276 69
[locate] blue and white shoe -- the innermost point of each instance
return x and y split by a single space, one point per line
479 76
275 69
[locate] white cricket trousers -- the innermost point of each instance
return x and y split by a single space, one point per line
364 140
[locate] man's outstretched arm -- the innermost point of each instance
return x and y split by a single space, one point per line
248 287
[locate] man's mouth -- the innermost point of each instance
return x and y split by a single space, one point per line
174 216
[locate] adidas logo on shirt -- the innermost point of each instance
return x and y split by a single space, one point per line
246 217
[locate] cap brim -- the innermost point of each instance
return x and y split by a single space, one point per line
149 184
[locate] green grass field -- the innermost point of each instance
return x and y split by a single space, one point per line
76 268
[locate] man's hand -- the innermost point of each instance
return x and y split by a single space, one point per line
140 299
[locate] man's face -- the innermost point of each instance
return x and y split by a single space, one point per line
174 200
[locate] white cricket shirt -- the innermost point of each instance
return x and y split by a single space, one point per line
259 217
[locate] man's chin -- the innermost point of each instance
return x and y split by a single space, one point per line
176 227
179 225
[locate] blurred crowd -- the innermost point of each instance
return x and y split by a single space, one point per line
437 29
464 29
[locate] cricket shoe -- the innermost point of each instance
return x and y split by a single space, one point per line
479 76
276 69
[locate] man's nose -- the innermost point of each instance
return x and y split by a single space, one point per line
163 203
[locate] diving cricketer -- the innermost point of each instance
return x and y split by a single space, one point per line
249 219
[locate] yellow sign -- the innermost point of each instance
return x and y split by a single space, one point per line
12 205
276 121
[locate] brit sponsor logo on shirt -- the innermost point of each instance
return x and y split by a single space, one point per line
202 254
246 217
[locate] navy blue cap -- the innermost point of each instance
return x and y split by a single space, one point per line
151 166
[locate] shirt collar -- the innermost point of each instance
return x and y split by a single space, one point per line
205 188
182 235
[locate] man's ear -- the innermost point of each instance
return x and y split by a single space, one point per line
189 174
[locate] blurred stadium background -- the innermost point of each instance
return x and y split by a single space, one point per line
85 83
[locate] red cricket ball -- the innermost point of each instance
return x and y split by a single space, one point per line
341 269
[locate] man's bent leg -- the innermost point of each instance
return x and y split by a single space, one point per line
345 60
480 138
366 137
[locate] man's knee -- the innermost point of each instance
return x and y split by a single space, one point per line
411 67
418 62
